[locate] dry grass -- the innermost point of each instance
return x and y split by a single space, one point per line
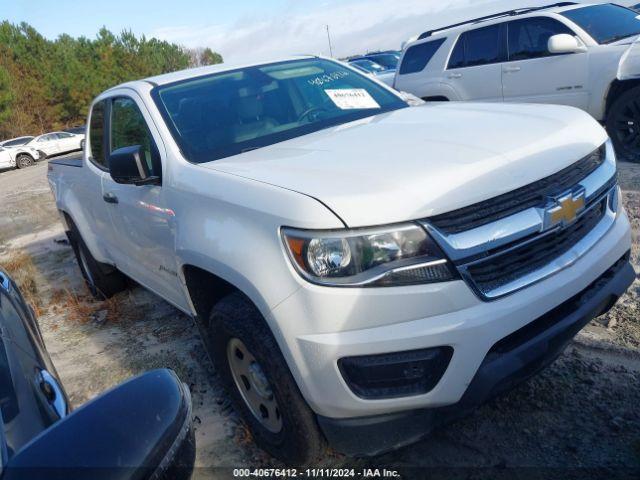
243 435
24 272
82 308
78 308
75 306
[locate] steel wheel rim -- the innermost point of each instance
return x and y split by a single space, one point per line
253 385
24 161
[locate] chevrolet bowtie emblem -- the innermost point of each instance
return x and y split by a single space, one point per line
564 209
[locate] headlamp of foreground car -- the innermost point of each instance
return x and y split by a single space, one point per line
379 257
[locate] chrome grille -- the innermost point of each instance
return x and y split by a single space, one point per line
503 268
532 195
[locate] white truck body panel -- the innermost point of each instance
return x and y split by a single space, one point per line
226 217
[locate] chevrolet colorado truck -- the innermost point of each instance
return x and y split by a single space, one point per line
361 270
567 53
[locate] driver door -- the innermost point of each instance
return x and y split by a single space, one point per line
142 234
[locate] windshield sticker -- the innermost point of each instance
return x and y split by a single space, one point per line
352 98
327 78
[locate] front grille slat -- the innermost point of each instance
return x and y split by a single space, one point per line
502 269
532 195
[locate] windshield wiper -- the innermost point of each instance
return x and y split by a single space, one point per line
620 37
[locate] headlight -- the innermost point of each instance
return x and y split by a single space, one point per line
399 255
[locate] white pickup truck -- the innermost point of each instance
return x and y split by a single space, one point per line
361 270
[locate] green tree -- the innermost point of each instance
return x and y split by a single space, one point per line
49 84
6 96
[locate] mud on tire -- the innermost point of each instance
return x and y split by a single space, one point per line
103 281
299 441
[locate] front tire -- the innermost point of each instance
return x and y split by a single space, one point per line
103 281
262 388
23 161
623 125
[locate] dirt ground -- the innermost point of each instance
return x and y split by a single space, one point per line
582 412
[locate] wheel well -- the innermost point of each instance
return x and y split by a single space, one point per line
205 289
70 224
436 98
20 154
617 88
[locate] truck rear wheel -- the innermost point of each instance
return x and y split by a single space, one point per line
103 281
23 161
623 125
262 388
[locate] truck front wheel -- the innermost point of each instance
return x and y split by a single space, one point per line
262 388
623 124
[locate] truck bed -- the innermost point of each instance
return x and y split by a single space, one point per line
69 161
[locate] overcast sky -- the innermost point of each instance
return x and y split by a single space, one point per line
246 30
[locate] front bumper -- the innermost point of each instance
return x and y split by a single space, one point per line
317 326
510 361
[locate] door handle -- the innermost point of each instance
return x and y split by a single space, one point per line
511 69
53 393
454 75
110 198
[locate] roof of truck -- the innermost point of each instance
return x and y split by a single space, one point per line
221 67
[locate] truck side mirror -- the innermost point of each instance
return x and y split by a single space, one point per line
128 165
141 429
565 43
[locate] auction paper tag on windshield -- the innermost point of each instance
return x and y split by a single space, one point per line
352 98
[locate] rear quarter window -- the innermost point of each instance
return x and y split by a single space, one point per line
96 136
481 46
417 57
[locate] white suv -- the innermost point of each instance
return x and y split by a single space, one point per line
583 56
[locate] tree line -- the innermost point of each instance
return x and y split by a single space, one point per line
48 85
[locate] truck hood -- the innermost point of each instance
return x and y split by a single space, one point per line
417 162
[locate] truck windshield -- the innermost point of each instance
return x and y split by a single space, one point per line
606 23
227 113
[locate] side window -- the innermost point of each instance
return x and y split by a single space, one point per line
64 135
482 46
477 47
528 38
417 57
457 56
96 136
129 128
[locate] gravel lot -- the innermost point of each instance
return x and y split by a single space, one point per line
582 412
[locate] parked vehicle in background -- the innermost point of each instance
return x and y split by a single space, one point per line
57 143
18 157
585 56
361 271
77 130
377 71
145 423
16 142
388 59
